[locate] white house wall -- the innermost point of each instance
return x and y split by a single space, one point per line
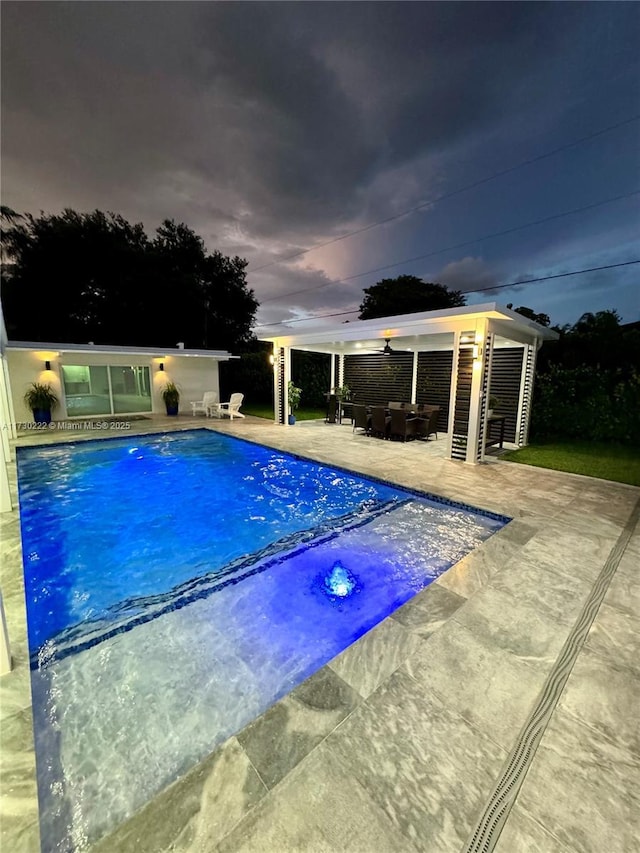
192 375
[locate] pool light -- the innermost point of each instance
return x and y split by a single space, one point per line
339 583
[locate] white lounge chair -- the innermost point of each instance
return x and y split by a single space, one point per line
209 401
230 409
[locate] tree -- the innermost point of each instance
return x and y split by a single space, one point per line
595 340
407 294
78 277
72 277
530 314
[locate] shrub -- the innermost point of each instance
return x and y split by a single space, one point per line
586 403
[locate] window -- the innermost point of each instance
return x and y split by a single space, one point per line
106 390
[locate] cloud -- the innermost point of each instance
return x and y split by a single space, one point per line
469 274
273 127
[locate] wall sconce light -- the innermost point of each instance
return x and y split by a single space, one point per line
47 365
477 352
272 360
161 366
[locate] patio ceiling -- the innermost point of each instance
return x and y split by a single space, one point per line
427 331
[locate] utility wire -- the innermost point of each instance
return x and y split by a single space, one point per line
451 194
456 246
479 289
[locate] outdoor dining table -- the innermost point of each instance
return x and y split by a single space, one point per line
345 409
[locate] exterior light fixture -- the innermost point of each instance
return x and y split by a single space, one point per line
47 365
477 352
161 367
272 360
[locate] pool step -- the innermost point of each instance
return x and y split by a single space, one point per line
132 612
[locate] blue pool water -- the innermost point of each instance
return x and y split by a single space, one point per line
177 585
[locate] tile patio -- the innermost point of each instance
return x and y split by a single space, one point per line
397 744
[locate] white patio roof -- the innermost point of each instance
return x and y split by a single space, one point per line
430 330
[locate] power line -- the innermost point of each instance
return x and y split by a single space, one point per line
481 289
451 194
456 246
313 317
556 275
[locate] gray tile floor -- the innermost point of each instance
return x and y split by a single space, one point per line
398 743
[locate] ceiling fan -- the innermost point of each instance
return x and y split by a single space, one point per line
386 350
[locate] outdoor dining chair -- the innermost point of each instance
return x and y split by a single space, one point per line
361 420
333 410
402 426
380 421
428 425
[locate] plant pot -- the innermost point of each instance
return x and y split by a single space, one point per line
42 416
172 411
292 420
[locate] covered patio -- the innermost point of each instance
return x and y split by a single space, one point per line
456 359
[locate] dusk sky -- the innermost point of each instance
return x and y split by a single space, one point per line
272 128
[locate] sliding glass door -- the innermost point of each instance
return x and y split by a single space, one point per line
86 390
106 390
130 389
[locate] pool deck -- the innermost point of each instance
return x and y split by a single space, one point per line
497 710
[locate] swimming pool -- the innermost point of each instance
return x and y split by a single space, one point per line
177 585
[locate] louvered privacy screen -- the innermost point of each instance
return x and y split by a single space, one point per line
506 370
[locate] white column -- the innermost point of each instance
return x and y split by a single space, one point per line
333 373
414 378
526 393
5 493
276 384
5 649
5 388
477 384
8 430
341 370
5 425
452 391
286 377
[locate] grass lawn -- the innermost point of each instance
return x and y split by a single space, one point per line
265 410
595 459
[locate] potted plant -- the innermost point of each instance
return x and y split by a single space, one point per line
344 393
494 402
171 397
41 399
294 394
